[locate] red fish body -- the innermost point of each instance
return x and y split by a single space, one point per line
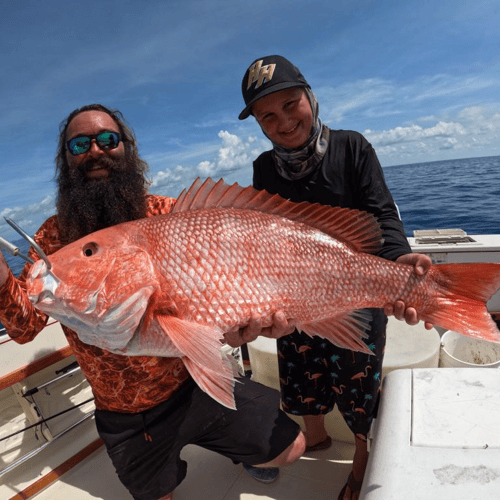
172 285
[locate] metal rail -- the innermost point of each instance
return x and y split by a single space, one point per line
36 451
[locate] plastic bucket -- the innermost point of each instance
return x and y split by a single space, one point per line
458 351
410 346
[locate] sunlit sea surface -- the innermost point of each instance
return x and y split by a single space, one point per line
449 194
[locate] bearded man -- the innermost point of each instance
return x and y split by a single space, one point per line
142 401
104 187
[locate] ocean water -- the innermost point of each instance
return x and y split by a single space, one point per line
452 194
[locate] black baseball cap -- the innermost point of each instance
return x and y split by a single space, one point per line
267 75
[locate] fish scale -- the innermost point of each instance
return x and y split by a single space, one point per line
173 284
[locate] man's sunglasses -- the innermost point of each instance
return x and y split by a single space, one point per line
105 140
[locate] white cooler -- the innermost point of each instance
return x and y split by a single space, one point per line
437 436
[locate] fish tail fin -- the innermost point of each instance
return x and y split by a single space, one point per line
461 303
201 348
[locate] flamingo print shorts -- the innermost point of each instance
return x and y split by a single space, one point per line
315 375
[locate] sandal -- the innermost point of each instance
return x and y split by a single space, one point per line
354 486
322 445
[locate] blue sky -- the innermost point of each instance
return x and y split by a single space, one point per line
420 79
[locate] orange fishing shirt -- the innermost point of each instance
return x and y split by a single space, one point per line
126 384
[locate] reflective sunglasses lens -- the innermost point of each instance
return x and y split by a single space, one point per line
105 140
79 145
108 140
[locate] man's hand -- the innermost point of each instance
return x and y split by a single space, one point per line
422 264
240 336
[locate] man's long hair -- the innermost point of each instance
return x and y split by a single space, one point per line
86 205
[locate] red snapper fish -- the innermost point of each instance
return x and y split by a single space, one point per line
173 284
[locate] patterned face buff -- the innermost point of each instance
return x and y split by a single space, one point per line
293 164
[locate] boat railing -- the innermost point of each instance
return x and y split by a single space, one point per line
4 336
53 397
40 448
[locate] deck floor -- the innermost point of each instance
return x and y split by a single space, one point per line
316 476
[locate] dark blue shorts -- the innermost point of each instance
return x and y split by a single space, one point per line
145 447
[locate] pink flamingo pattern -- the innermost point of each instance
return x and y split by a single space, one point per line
361 375
308 401
302 349
314 376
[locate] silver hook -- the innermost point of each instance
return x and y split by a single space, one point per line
31 241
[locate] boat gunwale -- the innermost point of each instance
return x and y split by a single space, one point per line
35 366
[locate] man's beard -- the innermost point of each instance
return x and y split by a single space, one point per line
85 205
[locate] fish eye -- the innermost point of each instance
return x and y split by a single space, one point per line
90 249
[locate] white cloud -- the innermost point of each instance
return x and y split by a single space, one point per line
233 159
413 133
28 217
473 131
170 176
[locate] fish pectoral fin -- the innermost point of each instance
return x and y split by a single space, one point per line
200 346
345 330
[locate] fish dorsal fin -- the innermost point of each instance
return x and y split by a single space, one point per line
360 230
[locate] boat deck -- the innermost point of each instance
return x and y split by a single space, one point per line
316 476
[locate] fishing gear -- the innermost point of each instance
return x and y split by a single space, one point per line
13 250
30 240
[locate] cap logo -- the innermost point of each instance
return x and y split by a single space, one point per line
260 74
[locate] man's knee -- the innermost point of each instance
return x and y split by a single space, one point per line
291 454
296 449
167 497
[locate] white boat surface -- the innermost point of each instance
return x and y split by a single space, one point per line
65 459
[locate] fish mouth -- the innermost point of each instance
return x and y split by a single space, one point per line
45 298
42 286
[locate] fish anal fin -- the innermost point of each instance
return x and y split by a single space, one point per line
345 330
359 230
200 346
